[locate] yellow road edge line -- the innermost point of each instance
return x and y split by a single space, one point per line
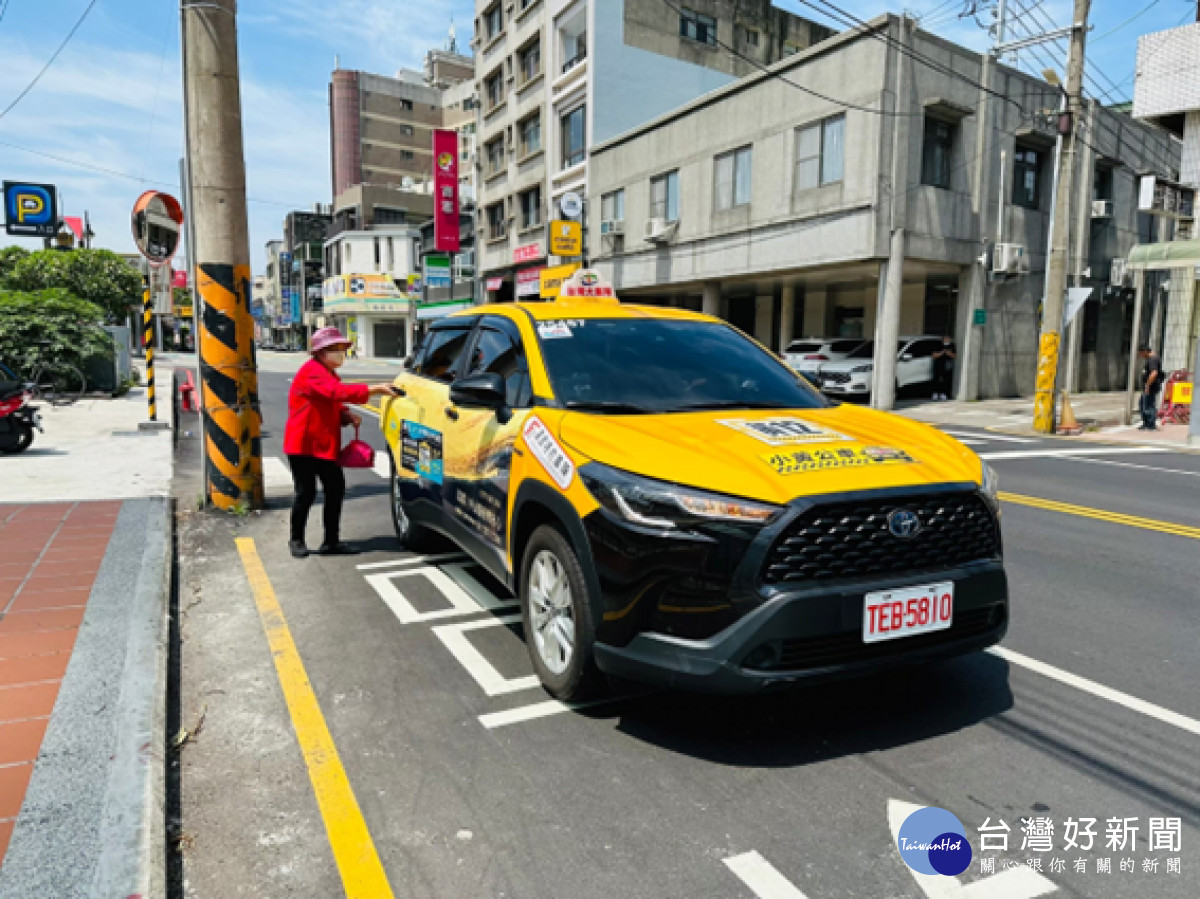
354 851
1133 521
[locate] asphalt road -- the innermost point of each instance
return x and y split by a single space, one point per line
471 783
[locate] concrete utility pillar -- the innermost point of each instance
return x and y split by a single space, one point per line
711 302
888 327
787 315
764 308
213 116
972 291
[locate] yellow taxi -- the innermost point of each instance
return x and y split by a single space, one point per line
672 504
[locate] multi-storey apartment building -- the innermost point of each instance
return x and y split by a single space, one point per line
555 77
858 190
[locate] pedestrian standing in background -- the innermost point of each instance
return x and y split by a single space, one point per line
1151 385
317 412
943 369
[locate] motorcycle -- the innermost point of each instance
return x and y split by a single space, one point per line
17 417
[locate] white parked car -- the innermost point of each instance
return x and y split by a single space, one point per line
808 355
851 377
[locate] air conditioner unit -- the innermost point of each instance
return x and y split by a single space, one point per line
1120 272
1102 209
612 226
1009 259
660 230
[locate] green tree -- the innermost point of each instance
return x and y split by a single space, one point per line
51 324
9 257
97 276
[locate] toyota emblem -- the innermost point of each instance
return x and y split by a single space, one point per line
904 523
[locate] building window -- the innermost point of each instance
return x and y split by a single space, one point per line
574 50
751 36
574 126
406 104
385 216
1027 178
664 197
406 130
790 48
531 135
531 207
495 156
494 89
731 177
493 21
531 61
612 206
936 152
697 26
1102 183
497 225
406 155
820 149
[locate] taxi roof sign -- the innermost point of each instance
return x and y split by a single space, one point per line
587 284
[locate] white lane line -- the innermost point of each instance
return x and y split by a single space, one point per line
1194 474
277 477
536 710
412 560
462 602
1067 453
383 465
761 876
1183 722
967 441
454 636
995 437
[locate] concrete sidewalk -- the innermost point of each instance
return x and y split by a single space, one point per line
84 599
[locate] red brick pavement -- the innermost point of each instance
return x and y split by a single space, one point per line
49 556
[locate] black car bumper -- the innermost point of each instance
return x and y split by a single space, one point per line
811 634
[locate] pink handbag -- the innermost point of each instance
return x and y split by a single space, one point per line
357 454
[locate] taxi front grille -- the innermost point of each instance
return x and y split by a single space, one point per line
853 540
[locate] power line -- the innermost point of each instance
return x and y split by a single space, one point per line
104 170
49 62
779 75
1137 15
3 9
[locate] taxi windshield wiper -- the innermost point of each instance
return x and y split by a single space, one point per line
613 408
730 404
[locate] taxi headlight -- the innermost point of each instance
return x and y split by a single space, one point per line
991 487
658 504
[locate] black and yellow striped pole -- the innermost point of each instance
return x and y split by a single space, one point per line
148 343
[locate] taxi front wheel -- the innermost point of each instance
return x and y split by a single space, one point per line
556 614
411 535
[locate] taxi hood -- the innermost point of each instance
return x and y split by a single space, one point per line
774 455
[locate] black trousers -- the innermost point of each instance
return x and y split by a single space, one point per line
943 380
305 472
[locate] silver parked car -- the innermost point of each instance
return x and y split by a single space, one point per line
808 355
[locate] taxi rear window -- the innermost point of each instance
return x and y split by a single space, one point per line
665 365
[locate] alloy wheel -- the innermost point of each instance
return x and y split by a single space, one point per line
551 612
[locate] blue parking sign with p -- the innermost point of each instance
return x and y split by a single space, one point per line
30 210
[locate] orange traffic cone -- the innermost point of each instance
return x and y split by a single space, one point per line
1066 422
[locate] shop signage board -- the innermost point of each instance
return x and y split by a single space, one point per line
445 191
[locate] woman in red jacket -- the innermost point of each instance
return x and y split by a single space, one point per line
317 413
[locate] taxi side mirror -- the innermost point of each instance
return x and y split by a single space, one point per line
479 391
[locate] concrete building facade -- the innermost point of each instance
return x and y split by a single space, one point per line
772 203
371 284
555 77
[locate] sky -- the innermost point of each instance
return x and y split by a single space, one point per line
105 121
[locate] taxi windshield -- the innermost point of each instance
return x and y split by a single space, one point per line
625 365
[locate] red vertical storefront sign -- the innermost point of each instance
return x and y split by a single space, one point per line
445 190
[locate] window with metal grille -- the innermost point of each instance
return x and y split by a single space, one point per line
936 152
697 26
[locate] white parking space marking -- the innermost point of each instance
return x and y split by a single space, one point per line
462 601
545 709
1183 722
995 437
1068 453
277 477
484 672
412 560
761 877
1024 883
383 466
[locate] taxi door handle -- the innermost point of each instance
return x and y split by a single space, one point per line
451 413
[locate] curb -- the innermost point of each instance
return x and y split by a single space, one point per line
94 819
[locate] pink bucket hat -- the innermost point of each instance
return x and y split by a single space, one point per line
326 338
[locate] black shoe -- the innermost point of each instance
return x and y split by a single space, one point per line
299 550
337 549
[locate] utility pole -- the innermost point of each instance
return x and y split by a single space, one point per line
1056 272
217 176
